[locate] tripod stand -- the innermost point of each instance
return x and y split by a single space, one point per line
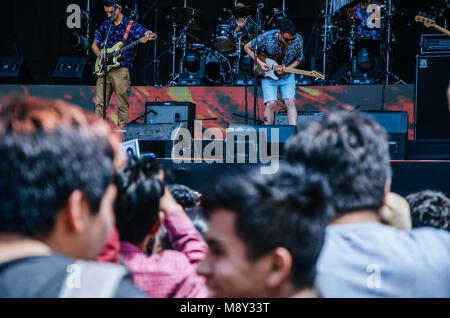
387 71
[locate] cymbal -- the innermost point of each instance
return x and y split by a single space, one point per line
182 16
242 12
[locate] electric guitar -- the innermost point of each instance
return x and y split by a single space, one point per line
431 23
272 63
113 54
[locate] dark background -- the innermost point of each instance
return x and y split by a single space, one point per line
36 29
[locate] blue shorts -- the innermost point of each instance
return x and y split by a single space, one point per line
286 85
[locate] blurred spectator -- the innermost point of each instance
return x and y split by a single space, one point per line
143 203
265 233
162 240
395 212
429 208
56 200
361 256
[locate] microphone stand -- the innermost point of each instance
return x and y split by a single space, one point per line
255 68
105 66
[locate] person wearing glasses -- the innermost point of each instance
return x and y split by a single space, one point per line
286 46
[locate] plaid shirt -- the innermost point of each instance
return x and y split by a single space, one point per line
171 273
269 45
117 32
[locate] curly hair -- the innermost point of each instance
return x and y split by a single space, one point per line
50 148
429 208
352 151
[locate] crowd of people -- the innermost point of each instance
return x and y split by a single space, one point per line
80 219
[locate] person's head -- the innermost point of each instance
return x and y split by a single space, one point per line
162 240
56 174
183 195
139 190
265 232
287 31
239 5
429 208
108 6
352 151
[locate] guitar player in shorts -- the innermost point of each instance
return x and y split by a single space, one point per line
118 79
286 46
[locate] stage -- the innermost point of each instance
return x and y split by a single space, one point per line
220 103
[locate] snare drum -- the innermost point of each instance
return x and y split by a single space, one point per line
223 38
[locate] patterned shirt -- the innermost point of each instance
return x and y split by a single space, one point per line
171 273
117 32
269 45
363 29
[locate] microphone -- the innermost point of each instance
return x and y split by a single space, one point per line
260 6
116 6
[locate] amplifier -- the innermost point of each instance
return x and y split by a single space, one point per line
395 123
432 78
171 113
153 139
435 44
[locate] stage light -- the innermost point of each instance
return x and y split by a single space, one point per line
129 13
79 42
84 18
365 59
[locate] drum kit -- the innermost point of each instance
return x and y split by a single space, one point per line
221 61
355 30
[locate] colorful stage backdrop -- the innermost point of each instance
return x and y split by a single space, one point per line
223 102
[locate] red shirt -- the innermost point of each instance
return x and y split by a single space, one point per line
171 273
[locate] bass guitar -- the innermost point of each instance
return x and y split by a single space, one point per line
113 54
431 23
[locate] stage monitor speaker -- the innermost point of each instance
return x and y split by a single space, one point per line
171 113
244 134
153 138
395 123
302 118
71 70
432 113
13 71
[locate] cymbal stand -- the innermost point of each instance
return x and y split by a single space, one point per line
388 72
174 50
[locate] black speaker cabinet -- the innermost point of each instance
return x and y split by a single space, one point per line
432 113
153 138
171 113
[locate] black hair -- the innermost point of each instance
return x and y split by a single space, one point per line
137 203
49 149
110 3
352 151
287 26
183 195
288 209
429 208
198 220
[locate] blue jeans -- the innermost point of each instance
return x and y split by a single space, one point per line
270 88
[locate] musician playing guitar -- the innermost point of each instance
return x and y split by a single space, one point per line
118 79
285 46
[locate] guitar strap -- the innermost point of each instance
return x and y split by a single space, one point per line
127 32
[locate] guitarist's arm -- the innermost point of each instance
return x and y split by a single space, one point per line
95 49
251 53
279 68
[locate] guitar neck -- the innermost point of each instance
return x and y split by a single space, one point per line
126 48
441 29
296 71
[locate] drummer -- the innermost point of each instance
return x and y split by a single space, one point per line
241 22
363 14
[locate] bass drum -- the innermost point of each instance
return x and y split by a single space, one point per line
217 68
